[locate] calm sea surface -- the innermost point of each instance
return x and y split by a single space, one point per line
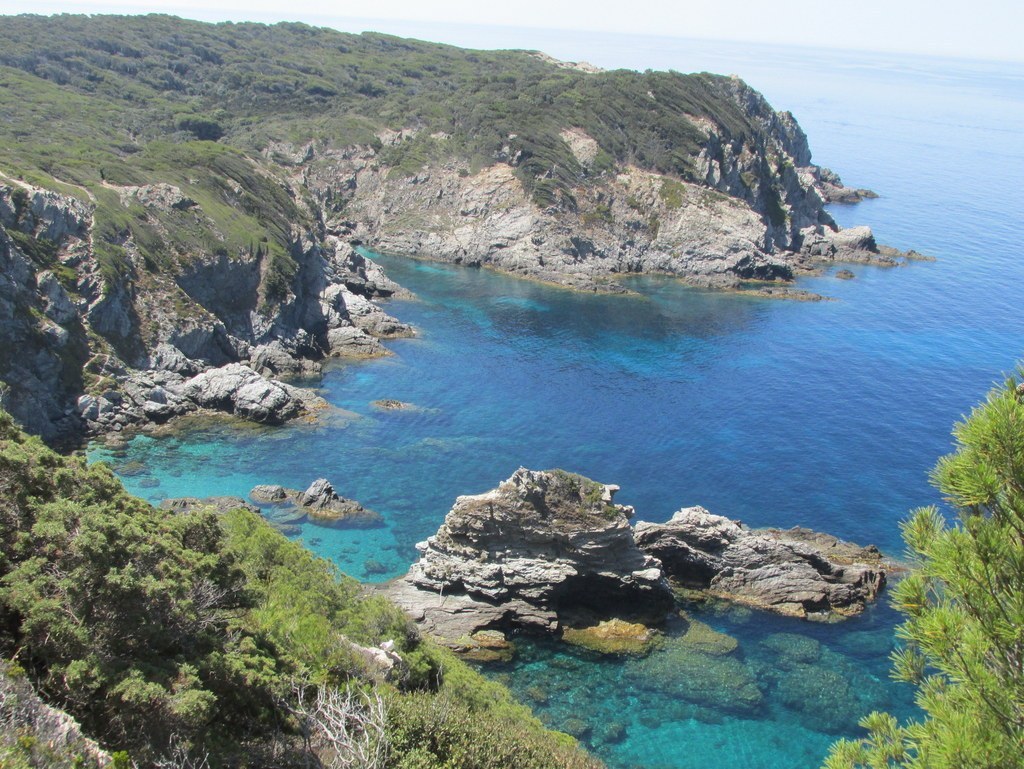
826 415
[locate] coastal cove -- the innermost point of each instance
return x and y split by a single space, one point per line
827 415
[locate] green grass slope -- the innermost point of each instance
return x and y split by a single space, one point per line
85 96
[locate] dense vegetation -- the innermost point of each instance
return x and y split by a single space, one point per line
134 100
964 609
205 635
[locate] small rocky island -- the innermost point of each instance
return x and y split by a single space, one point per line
551 551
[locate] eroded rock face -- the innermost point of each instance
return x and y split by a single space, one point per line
24 713
543 546
84 350
796 572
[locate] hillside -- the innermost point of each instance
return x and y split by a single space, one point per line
176 196
180 637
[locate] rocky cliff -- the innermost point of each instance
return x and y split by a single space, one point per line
87 345
751 207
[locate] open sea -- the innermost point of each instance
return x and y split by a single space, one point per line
827 415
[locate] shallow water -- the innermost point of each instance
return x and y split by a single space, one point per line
827 415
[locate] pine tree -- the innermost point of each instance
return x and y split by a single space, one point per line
963 636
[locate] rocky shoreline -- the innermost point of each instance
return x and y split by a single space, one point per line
88 353
103 330
551 552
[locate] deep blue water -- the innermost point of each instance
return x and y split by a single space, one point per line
827 415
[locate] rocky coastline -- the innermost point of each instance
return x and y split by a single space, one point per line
106 329
85 352
126 304
754 210
551 552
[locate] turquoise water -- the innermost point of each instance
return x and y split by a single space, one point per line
826 415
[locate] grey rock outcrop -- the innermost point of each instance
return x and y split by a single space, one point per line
157 395
541 547
239 390
550 550
796 572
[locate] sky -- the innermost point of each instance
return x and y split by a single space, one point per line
979 29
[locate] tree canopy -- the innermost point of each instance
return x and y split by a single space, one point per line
963 636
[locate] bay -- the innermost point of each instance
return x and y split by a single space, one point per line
826 415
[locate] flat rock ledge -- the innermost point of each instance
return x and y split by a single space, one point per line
795 572
319 504
550 552
535 553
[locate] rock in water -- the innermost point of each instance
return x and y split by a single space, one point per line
320 502
542 547
217 504
796 572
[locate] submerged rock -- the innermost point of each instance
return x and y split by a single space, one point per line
389 404
217 504
705 639
614 636
543 547
487 646
681 669
796 572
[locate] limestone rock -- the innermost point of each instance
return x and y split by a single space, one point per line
382 662
796 572
238 389
541 548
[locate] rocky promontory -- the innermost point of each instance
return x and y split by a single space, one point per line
536 552
550 551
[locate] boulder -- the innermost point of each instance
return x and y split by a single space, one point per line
238 389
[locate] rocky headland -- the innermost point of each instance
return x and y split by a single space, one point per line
550 551
179 264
